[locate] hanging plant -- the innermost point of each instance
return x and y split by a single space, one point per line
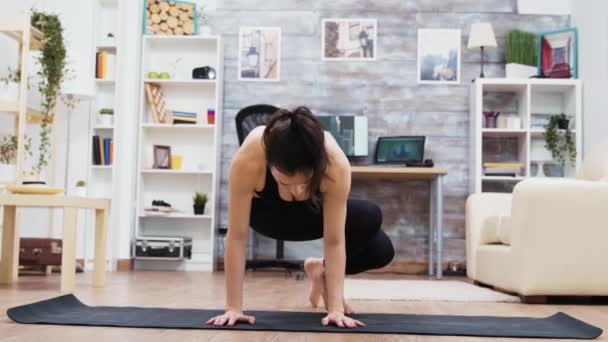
559 139
52 60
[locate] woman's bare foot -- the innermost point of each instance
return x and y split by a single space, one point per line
315 272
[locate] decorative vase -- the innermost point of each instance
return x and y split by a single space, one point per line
80 191
211 116
106 119
491 118
563 124
540 172
199 209
516 70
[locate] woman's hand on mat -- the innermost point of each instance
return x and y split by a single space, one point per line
342 321
230 318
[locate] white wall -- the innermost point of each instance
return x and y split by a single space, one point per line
557 7
591 19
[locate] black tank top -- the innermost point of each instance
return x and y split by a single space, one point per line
270 193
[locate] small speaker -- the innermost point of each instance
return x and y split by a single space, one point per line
205 73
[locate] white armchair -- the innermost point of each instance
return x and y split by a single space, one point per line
550 237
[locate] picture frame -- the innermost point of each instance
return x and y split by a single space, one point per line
439 56
162 157
259 54
349 39
558 53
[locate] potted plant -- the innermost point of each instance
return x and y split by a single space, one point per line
52 72
106 116
81 189
520 54
559 139
200 200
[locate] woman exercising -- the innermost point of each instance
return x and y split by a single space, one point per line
290 181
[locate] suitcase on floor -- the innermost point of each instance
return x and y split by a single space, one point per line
40 252
163 247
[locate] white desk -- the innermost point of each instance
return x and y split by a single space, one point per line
435 178
9 262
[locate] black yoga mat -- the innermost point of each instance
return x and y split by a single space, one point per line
68 310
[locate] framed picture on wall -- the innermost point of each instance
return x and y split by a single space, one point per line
348 39
439 56
557 53
162 157
260 54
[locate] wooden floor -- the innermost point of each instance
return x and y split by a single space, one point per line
267 290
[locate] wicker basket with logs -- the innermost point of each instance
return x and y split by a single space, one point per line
170 17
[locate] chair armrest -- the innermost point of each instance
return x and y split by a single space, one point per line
479 207
560 224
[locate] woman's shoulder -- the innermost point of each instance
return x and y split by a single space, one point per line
338 170
250 156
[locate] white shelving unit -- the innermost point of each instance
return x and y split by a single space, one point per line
100 179
198 145
529 100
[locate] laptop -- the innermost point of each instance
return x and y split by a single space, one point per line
401 150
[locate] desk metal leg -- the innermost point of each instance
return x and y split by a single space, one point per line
68 255
101 232
9 262
431 256
439 224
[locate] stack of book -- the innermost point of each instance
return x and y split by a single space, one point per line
103 150
105 65
184 118
503 169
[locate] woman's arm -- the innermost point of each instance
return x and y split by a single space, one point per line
239 207
334 220
243 175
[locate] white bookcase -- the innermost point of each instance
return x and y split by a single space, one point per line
198 145
532 101
100 178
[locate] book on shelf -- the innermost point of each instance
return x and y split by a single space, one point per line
180 117
105 65
103 150
493 165
510 169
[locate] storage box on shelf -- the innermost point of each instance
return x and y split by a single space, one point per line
173 113
507 125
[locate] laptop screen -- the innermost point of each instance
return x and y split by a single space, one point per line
394 150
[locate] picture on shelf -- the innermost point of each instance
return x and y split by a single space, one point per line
162 157
260 54
557 53
348 39
439 56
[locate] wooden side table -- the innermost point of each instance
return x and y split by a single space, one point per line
9 262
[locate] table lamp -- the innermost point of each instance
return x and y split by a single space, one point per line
481 36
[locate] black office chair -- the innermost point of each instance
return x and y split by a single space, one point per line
247 119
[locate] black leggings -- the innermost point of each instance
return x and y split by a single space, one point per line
367 246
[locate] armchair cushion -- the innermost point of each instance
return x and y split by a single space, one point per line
496 230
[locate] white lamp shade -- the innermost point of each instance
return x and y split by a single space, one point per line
482 34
